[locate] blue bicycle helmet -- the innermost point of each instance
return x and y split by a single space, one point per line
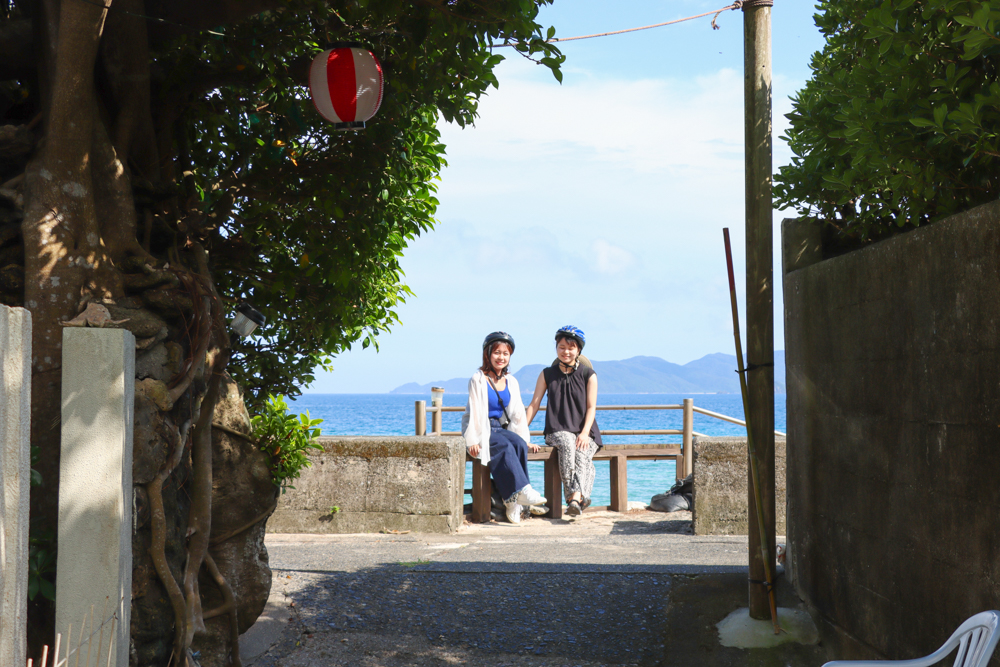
570 331
499 336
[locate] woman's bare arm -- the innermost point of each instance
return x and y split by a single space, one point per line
583 440
536 399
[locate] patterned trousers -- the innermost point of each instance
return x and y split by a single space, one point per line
575 465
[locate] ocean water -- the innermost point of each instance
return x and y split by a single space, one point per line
393 414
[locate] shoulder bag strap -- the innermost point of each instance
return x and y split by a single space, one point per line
499 398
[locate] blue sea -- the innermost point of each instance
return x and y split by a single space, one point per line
393 414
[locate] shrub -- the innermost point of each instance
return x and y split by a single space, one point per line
285 438
898 124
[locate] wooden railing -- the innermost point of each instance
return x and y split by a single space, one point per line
684 461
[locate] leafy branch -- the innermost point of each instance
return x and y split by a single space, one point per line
286 439
898 125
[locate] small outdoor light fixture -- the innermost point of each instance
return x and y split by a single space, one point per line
246 320
437 395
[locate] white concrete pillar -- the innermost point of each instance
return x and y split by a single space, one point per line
15 466
94 569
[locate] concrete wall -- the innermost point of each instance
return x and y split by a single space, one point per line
721 486
893 376
378 483
15 461
95 486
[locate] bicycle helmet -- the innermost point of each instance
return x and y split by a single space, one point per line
570 331
499 336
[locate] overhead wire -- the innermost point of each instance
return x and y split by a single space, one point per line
738 4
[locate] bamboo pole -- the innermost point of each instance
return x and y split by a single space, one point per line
759 410
756 506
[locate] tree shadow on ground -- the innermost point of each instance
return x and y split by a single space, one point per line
670 526
405 614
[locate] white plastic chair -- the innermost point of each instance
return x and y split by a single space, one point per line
975 639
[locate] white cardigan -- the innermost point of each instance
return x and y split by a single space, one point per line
476 420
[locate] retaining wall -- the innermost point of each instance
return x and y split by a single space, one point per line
721 485
893 377
375 484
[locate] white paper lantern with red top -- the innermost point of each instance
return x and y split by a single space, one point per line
346 85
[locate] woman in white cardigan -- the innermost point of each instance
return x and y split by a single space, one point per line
495 428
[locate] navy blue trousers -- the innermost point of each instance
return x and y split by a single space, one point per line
508 461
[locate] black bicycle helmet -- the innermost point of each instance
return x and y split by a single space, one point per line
570 331
499 336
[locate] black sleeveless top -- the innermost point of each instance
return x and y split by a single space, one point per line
566 408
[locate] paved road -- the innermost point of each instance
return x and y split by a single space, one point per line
599 590
646 543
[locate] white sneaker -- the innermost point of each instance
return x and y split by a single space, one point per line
528 496
514 512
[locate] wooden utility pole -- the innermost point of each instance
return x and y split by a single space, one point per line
759 285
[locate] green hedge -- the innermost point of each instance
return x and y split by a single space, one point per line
898 124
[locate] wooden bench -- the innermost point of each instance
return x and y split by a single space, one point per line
618 455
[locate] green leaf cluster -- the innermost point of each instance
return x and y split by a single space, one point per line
286 439
305 222
898 125
42 564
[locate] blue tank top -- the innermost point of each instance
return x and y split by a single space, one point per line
494 405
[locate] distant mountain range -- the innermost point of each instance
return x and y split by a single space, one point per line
712 374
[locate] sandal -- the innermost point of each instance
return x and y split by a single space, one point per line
573 508
585 504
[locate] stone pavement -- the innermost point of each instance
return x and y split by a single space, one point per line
603 589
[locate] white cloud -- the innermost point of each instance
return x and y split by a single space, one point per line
671 128
610 259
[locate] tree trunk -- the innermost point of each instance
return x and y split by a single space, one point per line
64 259
78 230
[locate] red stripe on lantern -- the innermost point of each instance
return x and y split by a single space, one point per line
342 84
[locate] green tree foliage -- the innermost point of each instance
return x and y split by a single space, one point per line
898 125
285 439
42 565
308 223
162 158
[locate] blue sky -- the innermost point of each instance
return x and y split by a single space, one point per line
599 202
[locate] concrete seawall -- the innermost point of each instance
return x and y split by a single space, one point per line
720 485
368 484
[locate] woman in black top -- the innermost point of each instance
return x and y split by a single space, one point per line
570 423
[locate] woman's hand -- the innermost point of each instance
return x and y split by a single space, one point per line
473 451
533 448
583 440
